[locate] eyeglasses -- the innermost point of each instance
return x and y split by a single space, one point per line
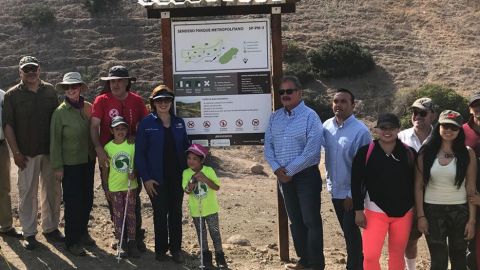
282 92
451 127
30 68
72 86
420 113
387 128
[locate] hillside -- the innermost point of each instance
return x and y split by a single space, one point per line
413 41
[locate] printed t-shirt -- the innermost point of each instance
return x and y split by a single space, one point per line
121 163
106 106
202 193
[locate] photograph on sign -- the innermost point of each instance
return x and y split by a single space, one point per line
221 46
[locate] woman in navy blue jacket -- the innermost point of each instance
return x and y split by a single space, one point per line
160 159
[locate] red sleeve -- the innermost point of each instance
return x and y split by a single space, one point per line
142 108
98 108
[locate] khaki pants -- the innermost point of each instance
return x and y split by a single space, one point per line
5 200
50 196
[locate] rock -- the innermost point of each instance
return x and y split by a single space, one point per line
239 240
257 169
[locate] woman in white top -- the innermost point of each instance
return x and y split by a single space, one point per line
445 176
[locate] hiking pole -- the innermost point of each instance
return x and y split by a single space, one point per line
119 245
202 266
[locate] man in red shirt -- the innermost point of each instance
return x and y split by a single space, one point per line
472 139
117 100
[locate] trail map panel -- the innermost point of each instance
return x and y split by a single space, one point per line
222 80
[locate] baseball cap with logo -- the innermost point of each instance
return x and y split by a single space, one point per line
424 104
451 117
198 150
28 60
118 120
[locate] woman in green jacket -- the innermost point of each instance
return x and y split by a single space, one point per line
73 160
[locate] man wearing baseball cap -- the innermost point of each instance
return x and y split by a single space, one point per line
27 110
117 100
423 115
472 139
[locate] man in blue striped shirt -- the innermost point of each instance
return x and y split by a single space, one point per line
292 148
344 135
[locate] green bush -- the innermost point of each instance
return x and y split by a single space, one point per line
443 97
341 58
38 16
98 6
321 104
303 72
297 63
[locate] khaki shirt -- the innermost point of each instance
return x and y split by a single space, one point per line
29 114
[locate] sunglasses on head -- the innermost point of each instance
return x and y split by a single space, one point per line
451 127
30 68
420 113
282 92
72 86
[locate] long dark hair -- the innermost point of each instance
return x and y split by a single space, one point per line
430 151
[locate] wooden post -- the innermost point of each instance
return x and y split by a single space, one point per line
167 49
277 73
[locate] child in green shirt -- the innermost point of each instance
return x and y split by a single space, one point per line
121 184
201 183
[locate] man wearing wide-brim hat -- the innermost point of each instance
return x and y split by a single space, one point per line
117 99
73 160
27 111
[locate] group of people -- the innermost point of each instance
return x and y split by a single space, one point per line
55 143
419 181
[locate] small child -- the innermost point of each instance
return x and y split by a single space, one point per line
201 183
119 174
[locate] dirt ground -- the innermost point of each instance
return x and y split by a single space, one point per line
248 208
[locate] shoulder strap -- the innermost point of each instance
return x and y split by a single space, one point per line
369 152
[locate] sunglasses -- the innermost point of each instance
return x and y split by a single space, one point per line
387 128
451 127
420 113
282 92
163 100
72 86
30 68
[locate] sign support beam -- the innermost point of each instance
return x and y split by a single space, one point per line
277 73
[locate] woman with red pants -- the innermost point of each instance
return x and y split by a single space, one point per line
382 193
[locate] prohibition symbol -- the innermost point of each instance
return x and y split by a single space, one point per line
255 122
239 123
223 123
206 124
190 124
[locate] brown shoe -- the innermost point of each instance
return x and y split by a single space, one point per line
294 266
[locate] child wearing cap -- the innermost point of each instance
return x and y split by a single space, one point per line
201 183
445 178
121 184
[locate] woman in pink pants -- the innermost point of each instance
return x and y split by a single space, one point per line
382 192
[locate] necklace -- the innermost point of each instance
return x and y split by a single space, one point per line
448 155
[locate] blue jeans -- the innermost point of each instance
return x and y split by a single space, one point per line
302 202
351 232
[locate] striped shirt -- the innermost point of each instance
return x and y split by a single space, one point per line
293 141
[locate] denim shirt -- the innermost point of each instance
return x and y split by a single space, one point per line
294 140
341 144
